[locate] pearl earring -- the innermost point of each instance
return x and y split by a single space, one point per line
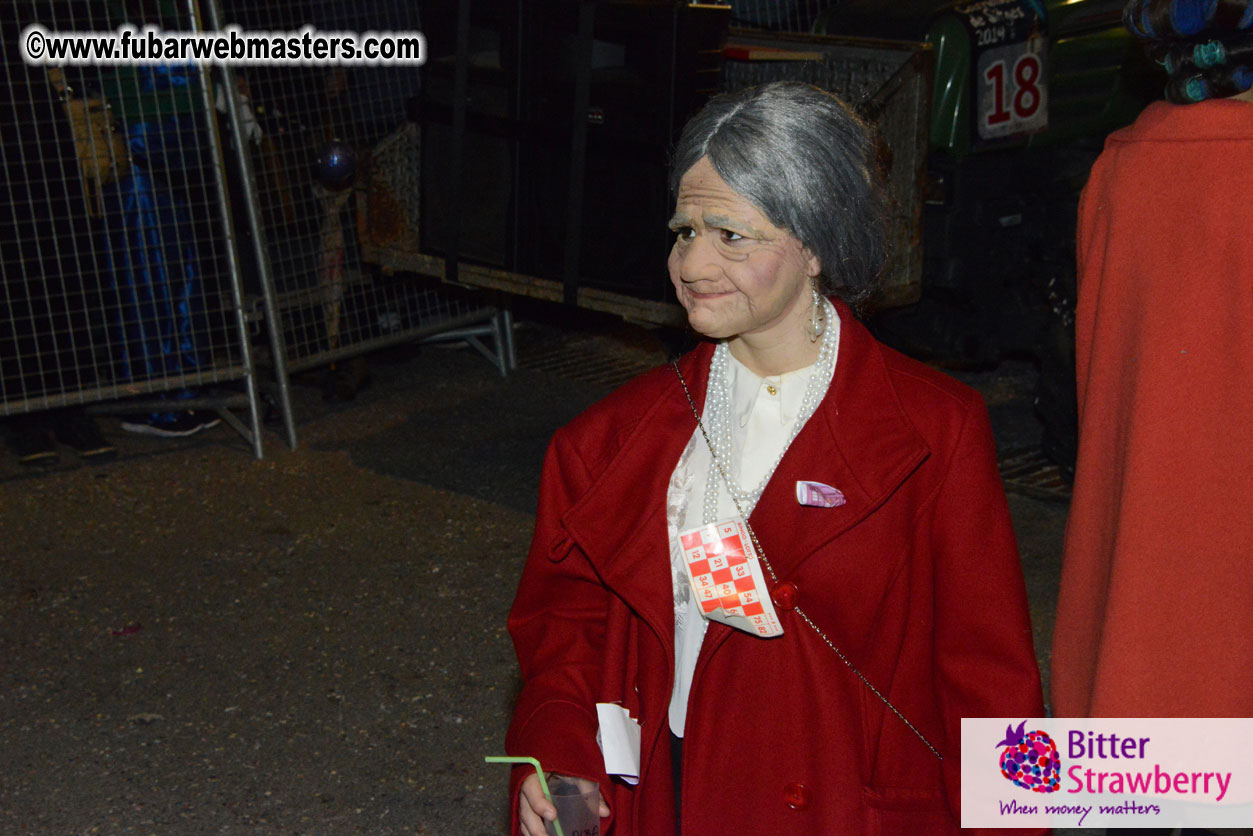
817 323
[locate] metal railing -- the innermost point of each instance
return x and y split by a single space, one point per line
158 222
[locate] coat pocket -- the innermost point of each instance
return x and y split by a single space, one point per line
900 811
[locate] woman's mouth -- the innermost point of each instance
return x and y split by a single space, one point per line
708 294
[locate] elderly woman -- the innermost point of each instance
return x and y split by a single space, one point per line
849 493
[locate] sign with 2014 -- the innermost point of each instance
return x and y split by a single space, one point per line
1010 87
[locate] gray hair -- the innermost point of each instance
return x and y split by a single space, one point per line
803 158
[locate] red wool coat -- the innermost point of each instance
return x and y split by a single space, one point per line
916 579
1155 610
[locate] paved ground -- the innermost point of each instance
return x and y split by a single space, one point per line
194 642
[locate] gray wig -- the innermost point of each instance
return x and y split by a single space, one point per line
803 158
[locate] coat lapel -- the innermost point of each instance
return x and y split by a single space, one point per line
859 441
620 523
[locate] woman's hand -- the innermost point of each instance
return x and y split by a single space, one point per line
534 809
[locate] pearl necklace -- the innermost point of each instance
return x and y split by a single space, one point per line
717 417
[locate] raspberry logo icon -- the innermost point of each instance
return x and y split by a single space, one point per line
1030 759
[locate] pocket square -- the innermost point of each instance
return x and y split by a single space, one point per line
818 495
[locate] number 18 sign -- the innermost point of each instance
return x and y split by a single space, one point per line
1013 93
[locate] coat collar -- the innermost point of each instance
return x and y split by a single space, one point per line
859 441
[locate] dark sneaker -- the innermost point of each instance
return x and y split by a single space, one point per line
182 425
79 432
33 445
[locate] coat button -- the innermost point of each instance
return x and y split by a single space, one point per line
785 596
796 796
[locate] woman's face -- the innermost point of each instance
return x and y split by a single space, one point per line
735 272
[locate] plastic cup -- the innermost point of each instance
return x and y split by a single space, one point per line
578 809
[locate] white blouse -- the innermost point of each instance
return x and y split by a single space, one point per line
764 413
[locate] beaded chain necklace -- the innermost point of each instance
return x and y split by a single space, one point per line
718 409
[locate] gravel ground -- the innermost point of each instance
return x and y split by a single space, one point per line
289 646
195 642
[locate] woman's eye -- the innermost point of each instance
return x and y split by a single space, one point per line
684 233
728 235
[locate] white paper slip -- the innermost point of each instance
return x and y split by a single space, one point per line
619 740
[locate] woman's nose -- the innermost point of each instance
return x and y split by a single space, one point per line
698 260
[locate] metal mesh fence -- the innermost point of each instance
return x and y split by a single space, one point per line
154 219
777 15
117 276
335 166
853 73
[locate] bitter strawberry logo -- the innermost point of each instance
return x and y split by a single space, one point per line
1030 759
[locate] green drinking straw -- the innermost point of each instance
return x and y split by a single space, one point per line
542 782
